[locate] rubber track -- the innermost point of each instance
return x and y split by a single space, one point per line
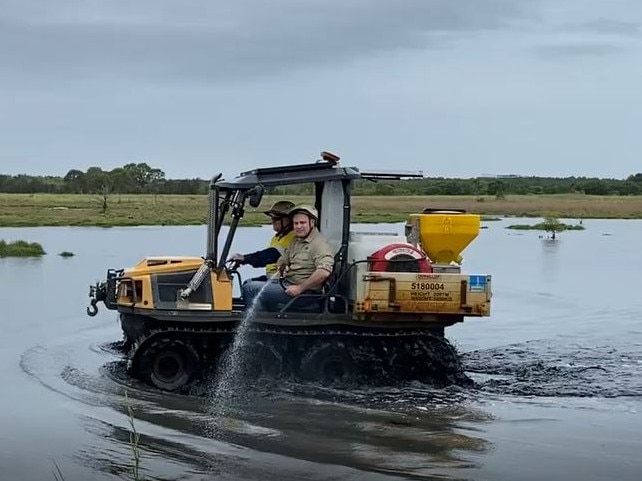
263 329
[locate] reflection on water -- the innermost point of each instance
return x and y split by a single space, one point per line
549 264
412 430
550 246
558 371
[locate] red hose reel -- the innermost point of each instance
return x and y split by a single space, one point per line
399 258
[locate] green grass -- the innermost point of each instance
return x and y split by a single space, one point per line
25 210
20 248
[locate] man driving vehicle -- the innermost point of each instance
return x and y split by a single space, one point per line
304 266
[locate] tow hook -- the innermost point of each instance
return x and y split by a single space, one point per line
92 309
96 293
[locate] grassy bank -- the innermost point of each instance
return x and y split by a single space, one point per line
22 210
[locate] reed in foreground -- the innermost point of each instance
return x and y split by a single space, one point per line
134 440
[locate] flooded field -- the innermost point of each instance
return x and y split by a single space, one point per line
558 372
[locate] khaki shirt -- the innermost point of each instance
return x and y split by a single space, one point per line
304 256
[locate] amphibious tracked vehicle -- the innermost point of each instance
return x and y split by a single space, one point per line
381 315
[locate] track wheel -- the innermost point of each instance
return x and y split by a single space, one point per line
173 364
431 360
261 360
413 361
329 363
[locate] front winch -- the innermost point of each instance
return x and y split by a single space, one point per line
97 293
104 291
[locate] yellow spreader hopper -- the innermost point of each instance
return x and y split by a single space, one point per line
444 234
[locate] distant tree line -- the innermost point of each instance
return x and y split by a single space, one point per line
498 187
142 179
130 179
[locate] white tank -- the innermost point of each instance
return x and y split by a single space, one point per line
362 245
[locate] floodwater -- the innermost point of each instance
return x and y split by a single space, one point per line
558 369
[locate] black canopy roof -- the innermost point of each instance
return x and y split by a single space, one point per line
304 173
289 174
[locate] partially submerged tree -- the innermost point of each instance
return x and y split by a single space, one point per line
553 225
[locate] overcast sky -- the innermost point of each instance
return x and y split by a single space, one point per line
194 87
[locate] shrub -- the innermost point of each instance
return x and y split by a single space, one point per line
20 248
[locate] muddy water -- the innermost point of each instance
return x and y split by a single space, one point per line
558 369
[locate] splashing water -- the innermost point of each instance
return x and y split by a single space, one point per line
228 382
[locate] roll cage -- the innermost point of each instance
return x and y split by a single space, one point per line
332 198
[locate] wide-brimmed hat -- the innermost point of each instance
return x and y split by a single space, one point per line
280 209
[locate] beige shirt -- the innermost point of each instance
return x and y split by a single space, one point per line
304 256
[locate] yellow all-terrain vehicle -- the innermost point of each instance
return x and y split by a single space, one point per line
381 316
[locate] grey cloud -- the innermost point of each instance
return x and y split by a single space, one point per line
570 50
214 41
608 26
595 38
